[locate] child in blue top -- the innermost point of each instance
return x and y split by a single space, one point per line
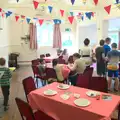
113 66
106 46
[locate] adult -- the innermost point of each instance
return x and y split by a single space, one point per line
100 58
113 66
106 45
78 66
86 52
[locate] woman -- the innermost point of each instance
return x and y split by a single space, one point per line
86 52
100 57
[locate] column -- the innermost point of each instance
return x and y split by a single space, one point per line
102 26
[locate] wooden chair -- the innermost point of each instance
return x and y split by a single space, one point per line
27 113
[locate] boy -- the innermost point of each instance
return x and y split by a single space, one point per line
100 56
113 57
5 82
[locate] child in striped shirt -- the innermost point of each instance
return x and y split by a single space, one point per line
5 76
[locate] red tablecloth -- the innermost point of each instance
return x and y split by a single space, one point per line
66 109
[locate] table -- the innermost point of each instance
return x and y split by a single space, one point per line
60 109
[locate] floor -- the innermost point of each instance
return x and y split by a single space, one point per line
16 91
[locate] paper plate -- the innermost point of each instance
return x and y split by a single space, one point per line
63 86
81 102
50 92
92 93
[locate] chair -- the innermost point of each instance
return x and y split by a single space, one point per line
48 55
35 62
99 84
27 113
28 85
50 73
83 81
37 75
42 56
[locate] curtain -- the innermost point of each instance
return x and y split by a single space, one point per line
57 43
33 36
119 42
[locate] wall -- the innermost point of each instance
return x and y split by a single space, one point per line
89 31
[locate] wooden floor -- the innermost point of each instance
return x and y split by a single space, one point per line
16 91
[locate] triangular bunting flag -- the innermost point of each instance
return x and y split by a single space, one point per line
57 21
22 16
7 15
93 14
72 1
50 8
96 2
71 18
88 15
35 4
17 18
117 1
28 20
62 12
107 9
82 17
0 9
17 0
41 21
71 13
9 12
3 15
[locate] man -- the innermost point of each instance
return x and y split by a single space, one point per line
79 66
113 66
106 46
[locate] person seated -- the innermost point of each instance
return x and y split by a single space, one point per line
86 52
42 67
65 55
113 67
79 66
62 70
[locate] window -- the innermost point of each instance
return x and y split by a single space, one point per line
114 36
45 34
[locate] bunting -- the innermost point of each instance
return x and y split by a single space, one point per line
35 3
0 9
88 15
17 0
57 21
117 1
41 21
107 9
17 18
50 9
72 1
62 12
28 20
71 18
96 2
71 13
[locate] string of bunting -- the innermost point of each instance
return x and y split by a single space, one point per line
81 16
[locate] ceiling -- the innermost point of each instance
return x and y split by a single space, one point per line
25 7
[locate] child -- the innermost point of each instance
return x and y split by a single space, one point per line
100 56
42 68
113 57
5 82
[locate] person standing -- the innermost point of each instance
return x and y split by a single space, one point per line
86 52
100 57
5 82
106 45
113 66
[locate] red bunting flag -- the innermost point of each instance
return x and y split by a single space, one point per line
17 18
62 12
35 4
71 18
0 9
107 9
93 14
96 2
22 16
41 21
3 15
